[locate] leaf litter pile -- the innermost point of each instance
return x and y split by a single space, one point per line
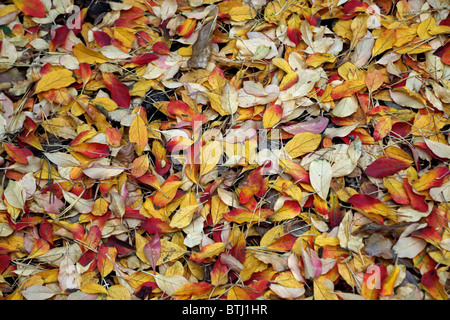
224 149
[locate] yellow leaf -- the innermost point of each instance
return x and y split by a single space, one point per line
424 28
100 207
84 54
272 116
317 59
55 80
384 42
106 103
282 64
323 288
118 292
93 288
211 154
389 282
242 13
138 134
124 35
169 252
183 217
237 293
218 208
359 28
303 143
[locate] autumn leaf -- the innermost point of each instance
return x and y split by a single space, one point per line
239 150
303 143
33 8
119 91
55 80
385 166
138 134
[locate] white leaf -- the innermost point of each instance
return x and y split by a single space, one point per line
405 100
349 296
229 99
169 284
62 159
15 194
5 229
286 292
442 193
81 205
168 9
68 276
100 172
28 181
278 263
439 149
445 244
231 262
320 174
112 52
345 107
409 247
38 292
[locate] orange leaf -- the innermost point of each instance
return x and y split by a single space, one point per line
33 8
374 80
140 166
237 293
187 28
92 150
207 252
382 128
106 259
193 288
272 116
40 247
19 155
113 137
245 216
370 205
168 191
293 31
431 284
295 170
347 89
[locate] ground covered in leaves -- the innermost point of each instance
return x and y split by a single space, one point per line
189 149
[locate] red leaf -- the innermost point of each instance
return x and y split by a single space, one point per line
155 225
59 38
161 48
144 58
180 109
429 234
17 154
430 281
417 200
152 250
334 213
123 248
119 92
102 38
385 166
33 8
92 150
